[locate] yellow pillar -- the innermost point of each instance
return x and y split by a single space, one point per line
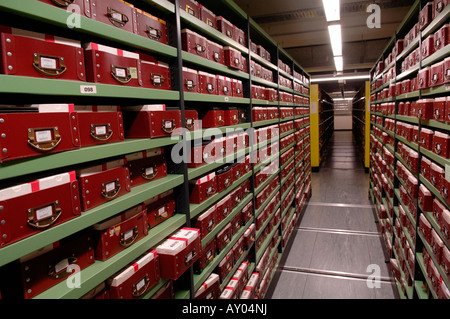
314 126
367 135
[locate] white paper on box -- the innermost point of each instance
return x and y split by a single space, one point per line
145 154
119 218
111 50
130 271
212 279
147 108
227 293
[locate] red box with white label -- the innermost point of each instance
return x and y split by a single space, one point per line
425 199
33 54
239 36
190 80
213 118
424 78
119 232
224 85
202 154
233 58
210 289
438 209
208 17
425 16
47 267
259 114
445 187
425 167
445 224
108 65
231 117
208 83
437 173
223 208
160 208
426 138
151 121
225 26
437 245
425 227
202 188
215 52
152 27
437 74
135 280
441 144
191 6
35 134
425 109
179 252
33 207
225 178
116 13
223 238
194 43
192 122
237 88
207 221
155 75
439 107
442 37
206 256
427 47
102 183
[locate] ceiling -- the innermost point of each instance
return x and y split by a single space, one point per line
300 27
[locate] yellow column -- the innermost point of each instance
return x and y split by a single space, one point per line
314 126
367 137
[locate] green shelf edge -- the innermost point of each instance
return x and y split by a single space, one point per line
136 196
197 97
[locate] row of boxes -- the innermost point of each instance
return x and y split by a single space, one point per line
284 67
285 82
199 45
217 22
434 75
259 71
261 51
211 84
120 14
51 57
438 285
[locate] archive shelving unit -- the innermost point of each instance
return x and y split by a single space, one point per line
402 236
29 14
361 122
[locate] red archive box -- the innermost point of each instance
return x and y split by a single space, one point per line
202 188
34 134
115 12
160 208
442 38
239 36
109 65
52 264
151 27
425 167
155 75
206 256
441 144
225 26
427 47
215 52
202 154
425 227
208 17
223 238
247 212
237 88
191 6
225 178
190 80
437 74
208 83
445 187
210 289
233 58
437 245
426 138
179 252
445 225
151 121
236 196
207 221
225 266
259 114
439 107
102 183
425 16
119 232
194 43
213 118
231 117
438 210
34 207
137 279
425 109
223 208
250 236
236 224
439 6
425 199
224 85
423 78
192 122
26 53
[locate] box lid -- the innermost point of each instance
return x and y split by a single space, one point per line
130 271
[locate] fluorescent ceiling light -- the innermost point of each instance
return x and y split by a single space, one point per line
341 78
343 99
339 62
332 10
336 39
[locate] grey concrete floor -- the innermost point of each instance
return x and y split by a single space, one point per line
336 248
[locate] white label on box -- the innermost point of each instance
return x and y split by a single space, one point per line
161 211
44 213
88 89
48 63
149 171
121 73
140 284
447 172
43 136
117 16
128 235
168 124
100 130
63 264
110 187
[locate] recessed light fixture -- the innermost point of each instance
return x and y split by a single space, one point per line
341 78
332 10
336 39
339 62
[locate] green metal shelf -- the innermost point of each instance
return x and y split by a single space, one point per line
102 270
44 13
12 84
265 123
263 102
197 97
436 23
433 189
264 82
136 196
436 158
443 89
210 132
269 198
255 57
83 155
